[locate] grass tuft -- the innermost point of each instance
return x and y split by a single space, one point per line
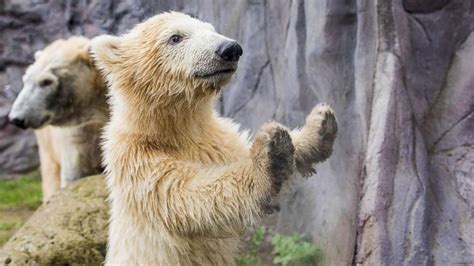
23 192
18 200
286 251
294 250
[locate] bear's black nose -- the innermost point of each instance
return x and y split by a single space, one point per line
18 122
229 51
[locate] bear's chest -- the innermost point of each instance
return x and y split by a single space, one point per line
214 152
218 149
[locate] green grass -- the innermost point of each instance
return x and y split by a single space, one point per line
23 192
251 258
17 223
286 251
294 250
18 200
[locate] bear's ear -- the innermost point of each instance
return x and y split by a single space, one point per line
85 58
105 50
38 54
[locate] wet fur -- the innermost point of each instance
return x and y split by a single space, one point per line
184 183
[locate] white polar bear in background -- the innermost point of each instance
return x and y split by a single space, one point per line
63 100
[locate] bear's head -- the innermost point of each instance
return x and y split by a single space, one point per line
168 59
58 87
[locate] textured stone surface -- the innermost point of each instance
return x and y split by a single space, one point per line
69 229
411 211
18 149
398 188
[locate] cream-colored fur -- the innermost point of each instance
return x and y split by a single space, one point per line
67 154
63 99
184 184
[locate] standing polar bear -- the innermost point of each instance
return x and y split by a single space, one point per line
63 100
184 184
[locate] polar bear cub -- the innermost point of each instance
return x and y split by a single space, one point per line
184 184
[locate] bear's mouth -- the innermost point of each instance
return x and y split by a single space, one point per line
215 73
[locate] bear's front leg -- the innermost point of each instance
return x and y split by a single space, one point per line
192 199
314 142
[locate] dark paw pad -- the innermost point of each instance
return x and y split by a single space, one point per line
329 126
281 157
328 133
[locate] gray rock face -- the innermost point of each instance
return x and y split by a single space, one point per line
399 186
18 149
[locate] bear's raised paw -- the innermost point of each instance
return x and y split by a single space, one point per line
317 138
323 118
273 151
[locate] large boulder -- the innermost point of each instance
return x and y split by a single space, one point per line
398 188
68 229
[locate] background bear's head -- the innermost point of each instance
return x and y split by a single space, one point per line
169 57
58 87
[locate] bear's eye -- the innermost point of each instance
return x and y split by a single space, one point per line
45 83
176 39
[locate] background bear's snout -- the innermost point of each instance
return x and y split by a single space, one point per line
229 51
21 123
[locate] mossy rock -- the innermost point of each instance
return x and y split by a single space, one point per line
68 229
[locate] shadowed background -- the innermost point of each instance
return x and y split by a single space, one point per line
398 74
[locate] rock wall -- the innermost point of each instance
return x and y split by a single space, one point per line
398 188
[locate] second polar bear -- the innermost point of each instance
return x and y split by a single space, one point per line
184 184
63 100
